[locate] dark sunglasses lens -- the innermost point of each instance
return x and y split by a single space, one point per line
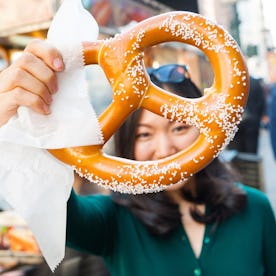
170 73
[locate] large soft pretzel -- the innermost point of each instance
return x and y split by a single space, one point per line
216 114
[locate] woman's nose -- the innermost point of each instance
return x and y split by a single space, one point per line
164 147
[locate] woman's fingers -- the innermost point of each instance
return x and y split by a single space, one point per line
20 78
9 103
39 59
47 53
30 81
21 97
37 68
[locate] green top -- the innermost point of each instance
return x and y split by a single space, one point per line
244 245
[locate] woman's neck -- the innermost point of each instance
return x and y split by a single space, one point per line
184 205
176 191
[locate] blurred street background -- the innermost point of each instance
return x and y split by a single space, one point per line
269 167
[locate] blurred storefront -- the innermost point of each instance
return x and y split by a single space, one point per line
21 21
271 61
116 13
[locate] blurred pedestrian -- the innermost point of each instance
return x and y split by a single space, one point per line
247 138
272 117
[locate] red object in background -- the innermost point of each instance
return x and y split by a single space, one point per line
137 14
119 13
102 11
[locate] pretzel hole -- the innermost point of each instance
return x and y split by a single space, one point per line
100 90
197 75
198 64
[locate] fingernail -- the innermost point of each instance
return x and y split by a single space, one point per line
58 64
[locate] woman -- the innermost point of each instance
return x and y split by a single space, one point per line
209 225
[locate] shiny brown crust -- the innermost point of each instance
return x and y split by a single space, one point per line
216 114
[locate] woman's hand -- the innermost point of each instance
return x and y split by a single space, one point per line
30 80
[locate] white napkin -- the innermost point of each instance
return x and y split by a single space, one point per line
36 184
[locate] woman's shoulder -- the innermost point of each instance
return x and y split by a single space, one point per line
253 193
103 203
100 201
256 199
101 198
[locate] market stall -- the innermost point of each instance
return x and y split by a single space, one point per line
18 247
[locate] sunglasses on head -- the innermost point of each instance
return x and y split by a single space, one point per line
173 73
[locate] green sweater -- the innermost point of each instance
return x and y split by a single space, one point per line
244 245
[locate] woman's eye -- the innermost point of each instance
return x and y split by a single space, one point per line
142 135
181 128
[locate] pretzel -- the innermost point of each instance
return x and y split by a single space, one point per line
216 114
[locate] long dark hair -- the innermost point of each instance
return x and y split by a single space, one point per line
214 185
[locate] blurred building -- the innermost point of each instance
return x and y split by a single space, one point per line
254 36
220 11
252 24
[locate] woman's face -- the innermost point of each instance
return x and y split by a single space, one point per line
156 137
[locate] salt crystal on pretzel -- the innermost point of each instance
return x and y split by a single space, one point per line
216 114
